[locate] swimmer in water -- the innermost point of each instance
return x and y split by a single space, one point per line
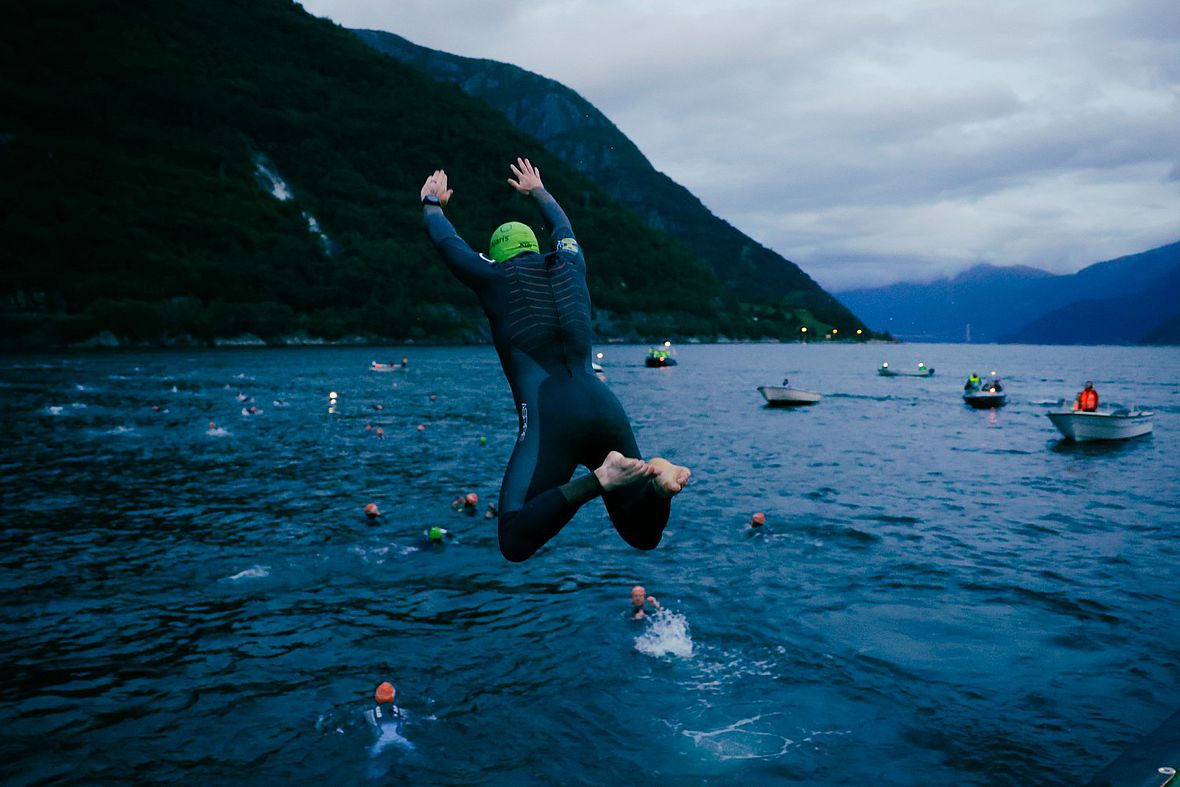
387 720
538 306
640 600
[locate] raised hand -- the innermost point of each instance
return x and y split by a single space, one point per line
527 178
436 185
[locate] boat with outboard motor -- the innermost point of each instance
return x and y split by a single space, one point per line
786 396
777 396
886 370
1083 426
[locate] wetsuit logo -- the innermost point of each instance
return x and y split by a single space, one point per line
524 421
568 245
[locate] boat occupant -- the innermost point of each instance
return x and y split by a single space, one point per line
1087 399
538 306
972 383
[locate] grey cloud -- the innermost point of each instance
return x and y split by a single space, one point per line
926 136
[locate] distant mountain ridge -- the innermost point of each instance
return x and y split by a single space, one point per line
1126 300
578 133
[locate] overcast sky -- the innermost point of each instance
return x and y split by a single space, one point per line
869 142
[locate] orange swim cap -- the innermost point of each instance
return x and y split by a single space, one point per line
385 693
372 510
471 499
758 519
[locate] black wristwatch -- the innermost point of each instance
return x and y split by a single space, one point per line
431 199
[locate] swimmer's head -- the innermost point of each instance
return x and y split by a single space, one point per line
511 239
436 533
372 511
471 499
638 596
385 693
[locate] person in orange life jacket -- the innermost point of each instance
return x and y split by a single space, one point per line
1087 400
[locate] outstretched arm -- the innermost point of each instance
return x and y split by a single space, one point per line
467 266
528 181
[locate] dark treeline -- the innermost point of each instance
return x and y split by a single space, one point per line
130 198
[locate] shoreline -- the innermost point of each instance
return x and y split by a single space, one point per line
107 341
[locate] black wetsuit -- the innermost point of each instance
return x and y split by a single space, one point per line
539 310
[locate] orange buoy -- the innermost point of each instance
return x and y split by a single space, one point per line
758 520
385 693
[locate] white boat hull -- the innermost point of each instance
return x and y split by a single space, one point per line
1083 427
777 396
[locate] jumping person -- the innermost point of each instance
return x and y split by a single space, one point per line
538 307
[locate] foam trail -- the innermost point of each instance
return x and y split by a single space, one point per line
254 572
737 743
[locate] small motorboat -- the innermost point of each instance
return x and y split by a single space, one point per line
922 371
1082 426
658 358
596 367
984 394
786 396
377 366
983 400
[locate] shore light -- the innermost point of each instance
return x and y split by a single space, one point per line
885 364
667 344
835 330
599 356
859 331
804 329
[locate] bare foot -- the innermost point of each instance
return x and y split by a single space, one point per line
669 478
618 470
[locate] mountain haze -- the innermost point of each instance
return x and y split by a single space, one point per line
578 133
1120 301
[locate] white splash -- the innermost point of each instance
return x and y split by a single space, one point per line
217 431
53 409
666 635
254 572
122 430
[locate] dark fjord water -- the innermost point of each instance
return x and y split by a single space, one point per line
940 595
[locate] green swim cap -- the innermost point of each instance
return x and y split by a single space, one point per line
511 239
436 533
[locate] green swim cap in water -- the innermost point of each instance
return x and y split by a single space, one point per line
511 239
436 533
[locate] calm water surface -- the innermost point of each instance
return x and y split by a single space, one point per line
939 596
